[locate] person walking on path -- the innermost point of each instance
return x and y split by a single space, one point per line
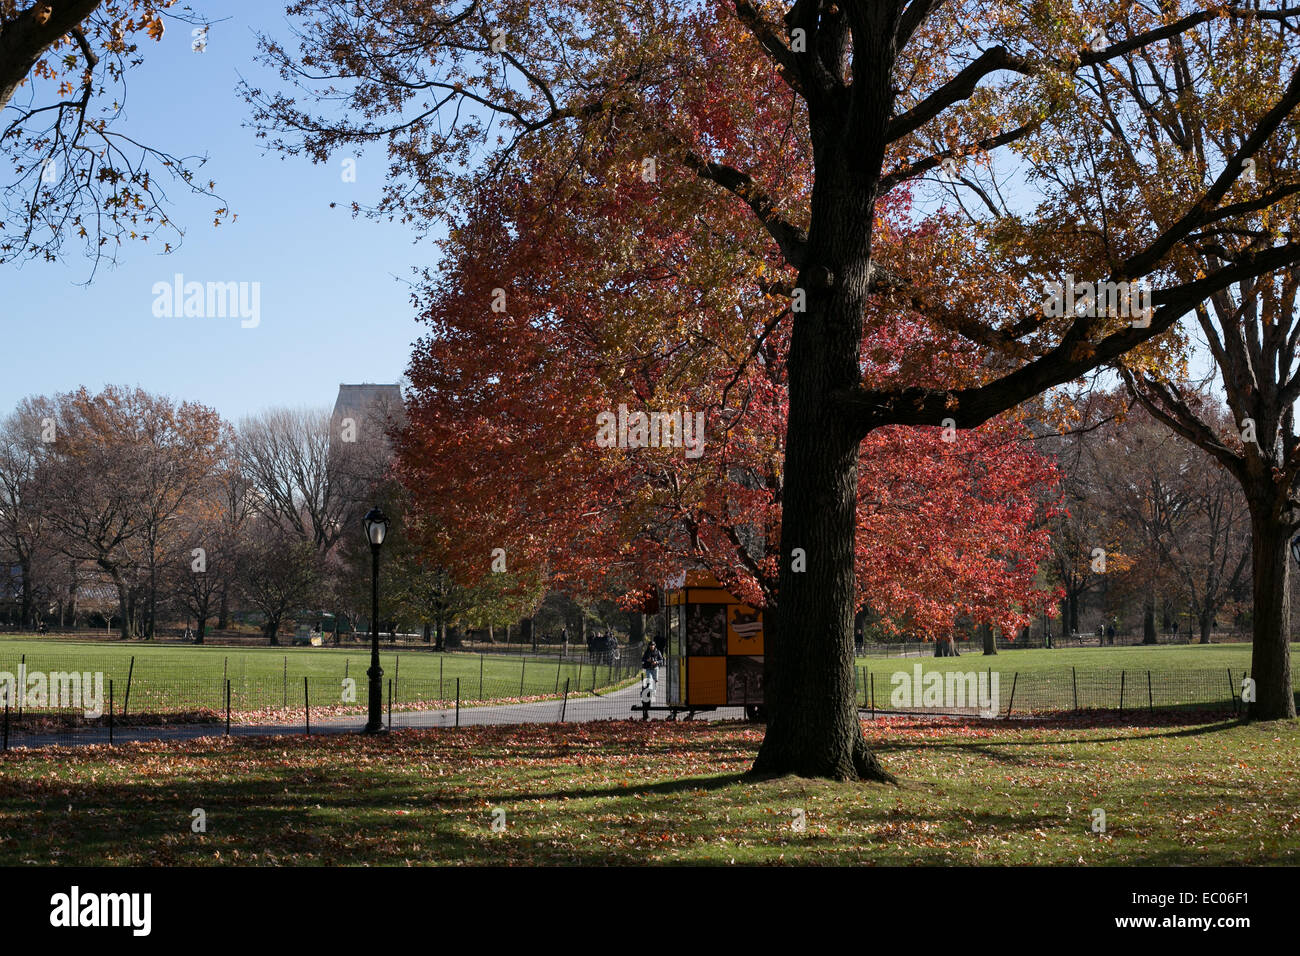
652 660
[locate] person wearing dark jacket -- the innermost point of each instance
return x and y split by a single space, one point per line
652 660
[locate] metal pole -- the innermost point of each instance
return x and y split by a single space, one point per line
457 701
565 706
227 708
306 704
126 699
110 710
375 722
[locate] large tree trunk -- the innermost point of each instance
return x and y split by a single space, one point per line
1270 659
123 596
813 728
988 638
151 607
1207 625
28 601
1149 622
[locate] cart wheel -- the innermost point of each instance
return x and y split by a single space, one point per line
756 714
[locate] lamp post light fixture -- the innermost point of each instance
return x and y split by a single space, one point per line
376 525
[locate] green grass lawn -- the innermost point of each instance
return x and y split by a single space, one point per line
1175 790
171 677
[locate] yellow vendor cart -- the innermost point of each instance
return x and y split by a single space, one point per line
715 648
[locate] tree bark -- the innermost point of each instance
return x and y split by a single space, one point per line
28 601
123 596
813 729
1270 659
1149 623
1207 625
24 38
989 639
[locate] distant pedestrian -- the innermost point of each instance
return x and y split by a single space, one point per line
652 660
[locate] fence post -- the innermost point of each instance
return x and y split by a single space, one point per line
480 675
565 706
457 701
566 681
1121 690
871 679
6 744
1151 700
285 683
306 704
126 698
1012 701
396 685
559 663
110 710
523 666
390 703
1232 691
227 708
22 684
1074 679
440 663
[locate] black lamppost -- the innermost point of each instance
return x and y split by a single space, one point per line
376 529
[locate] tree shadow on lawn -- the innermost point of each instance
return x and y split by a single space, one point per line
887 746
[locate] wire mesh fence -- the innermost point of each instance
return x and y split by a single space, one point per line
144 705
990 692
53 699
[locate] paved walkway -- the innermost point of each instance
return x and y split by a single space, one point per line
616 705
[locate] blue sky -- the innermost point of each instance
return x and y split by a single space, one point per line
335 303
